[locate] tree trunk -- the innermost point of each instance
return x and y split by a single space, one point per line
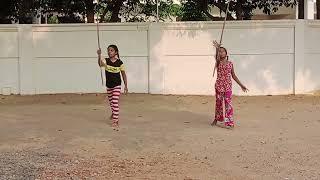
115 11
318 9
301 9
90 11
239 11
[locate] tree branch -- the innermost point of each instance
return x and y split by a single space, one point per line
223 8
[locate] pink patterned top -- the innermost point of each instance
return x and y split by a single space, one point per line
224 77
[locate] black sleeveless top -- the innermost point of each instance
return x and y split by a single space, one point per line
112 70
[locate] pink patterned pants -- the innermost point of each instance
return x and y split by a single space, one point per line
227 118
114 96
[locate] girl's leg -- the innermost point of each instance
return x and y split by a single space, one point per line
219 107
115 104
109 94
229 109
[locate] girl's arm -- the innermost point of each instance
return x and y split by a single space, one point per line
100 61
124 77
234 76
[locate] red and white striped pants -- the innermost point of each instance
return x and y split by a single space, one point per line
114 96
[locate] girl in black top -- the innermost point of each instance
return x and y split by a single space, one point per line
114 68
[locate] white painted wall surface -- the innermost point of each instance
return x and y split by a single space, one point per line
270 57
9 70
65 60
308 73
182 58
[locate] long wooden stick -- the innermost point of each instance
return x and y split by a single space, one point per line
98 33
221 36
98 37
224 23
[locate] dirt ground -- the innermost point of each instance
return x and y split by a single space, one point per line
161 137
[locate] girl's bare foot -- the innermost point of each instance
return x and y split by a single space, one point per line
229 126
214 123
115 126
222 124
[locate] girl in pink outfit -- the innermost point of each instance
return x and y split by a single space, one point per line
223 87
